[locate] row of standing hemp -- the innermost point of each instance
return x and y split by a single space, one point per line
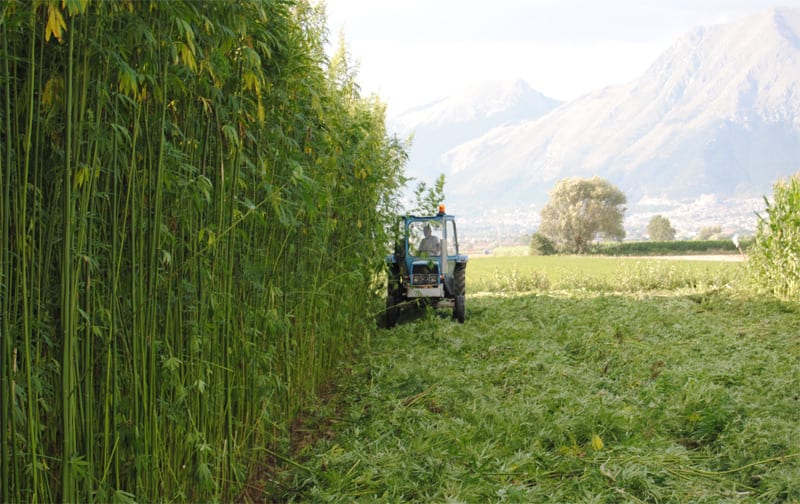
193 199
774 254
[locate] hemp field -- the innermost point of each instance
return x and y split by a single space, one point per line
572 380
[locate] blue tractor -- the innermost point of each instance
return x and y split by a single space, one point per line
426 265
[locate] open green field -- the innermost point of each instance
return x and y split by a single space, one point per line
617 389
598 273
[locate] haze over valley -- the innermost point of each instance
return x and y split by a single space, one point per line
700 137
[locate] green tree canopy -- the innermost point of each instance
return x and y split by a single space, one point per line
660 229
427 198
541 245
710 233
582 210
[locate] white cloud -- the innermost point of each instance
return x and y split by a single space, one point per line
416 73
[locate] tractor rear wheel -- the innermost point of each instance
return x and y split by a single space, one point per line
460 280
459 311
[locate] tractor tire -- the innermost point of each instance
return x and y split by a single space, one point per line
392 311
459 311
460 281
393 300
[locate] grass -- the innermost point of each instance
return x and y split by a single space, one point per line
528 273
630 395
507 251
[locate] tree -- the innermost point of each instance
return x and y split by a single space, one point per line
582 210
427 198
710 233
660 229
541 245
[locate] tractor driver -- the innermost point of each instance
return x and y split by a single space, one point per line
429 245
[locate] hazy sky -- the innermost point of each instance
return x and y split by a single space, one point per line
411 52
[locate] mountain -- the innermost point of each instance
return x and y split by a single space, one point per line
446 123
717 114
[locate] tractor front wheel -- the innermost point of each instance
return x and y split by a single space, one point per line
393 300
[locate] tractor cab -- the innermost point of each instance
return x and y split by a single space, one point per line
427 264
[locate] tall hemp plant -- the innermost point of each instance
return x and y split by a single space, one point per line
774 256
192 202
